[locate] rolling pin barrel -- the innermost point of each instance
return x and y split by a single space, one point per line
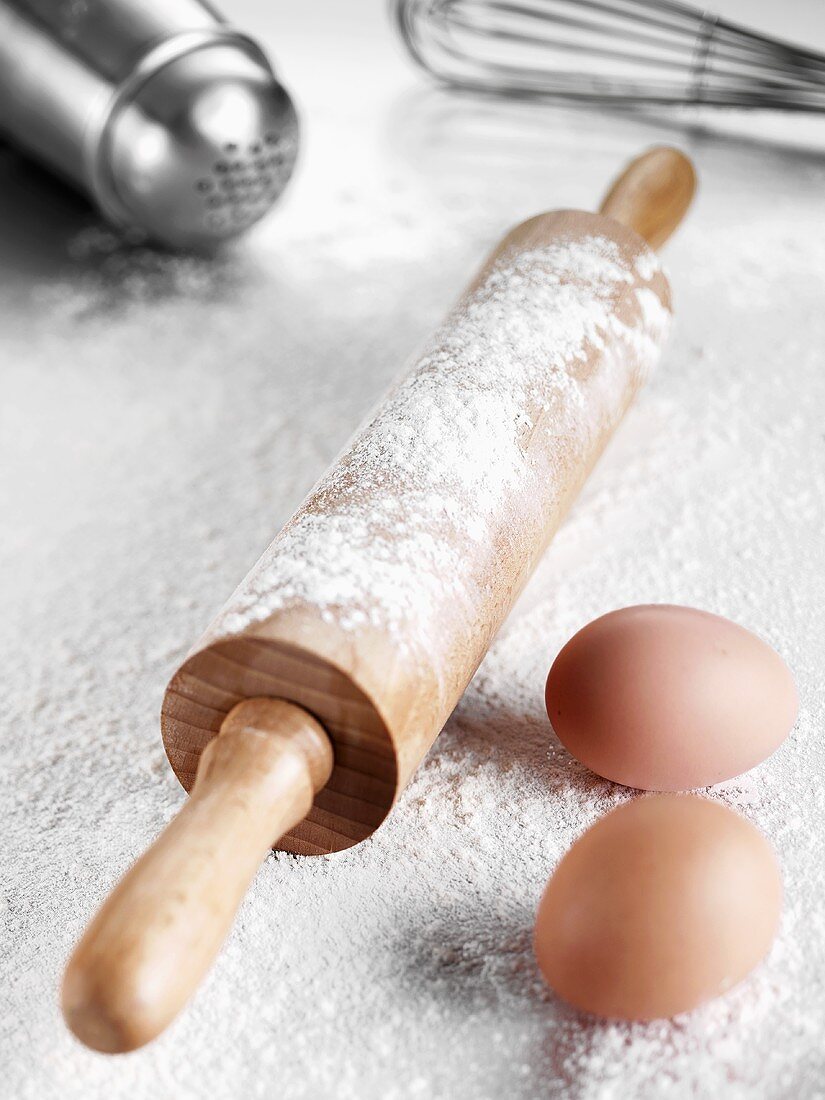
375 605
301 714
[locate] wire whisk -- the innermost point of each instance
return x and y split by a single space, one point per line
623 51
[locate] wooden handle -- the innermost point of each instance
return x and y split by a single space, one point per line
150 944
653 194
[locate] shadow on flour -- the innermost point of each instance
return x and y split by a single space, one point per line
465 952
53 237
474 959
38 217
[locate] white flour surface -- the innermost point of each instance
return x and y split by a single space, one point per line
160 418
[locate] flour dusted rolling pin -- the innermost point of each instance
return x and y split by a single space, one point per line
301 714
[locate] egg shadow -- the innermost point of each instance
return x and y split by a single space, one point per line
472 959
477 959
489 727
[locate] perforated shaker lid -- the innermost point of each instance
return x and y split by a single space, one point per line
198 145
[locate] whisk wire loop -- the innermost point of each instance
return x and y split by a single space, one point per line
626 51
702 54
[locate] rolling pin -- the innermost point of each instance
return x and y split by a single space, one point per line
299 717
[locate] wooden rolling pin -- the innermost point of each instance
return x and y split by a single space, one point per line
299 717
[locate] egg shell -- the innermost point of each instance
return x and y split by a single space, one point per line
664 903
668 698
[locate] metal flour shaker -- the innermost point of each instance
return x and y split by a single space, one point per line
171 121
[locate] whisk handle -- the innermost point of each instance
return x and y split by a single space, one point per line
652 194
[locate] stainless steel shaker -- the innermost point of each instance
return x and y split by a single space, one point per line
172 122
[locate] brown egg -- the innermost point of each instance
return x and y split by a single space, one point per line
664 903
668 698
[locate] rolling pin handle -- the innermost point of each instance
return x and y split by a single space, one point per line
158 933
652 194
